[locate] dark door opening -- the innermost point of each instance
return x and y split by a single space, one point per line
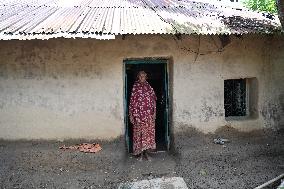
158 78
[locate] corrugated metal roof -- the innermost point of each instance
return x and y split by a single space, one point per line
28 19
204 18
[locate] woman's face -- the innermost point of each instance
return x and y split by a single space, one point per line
142 77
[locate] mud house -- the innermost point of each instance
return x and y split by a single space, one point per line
210 66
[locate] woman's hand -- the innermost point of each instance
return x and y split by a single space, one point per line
131 119
154 110
154 116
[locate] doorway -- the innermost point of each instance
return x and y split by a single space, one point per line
157 72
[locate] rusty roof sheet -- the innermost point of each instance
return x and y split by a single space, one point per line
29 19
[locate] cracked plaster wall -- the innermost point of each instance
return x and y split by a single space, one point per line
73 88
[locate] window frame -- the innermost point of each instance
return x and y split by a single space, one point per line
251 99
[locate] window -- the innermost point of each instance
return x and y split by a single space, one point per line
235 97
240 98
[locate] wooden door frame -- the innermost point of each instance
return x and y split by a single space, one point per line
151 60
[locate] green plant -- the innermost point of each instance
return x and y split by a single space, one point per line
261 5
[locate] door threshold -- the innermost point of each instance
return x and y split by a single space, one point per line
159 151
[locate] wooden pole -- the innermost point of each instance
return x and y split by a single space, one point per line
270 182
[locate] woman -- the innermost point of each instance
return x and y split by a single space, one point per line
142 112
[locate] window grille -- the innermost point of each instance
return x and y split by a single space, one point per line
235 97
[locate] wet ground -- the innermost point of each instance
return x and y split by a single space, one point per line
249 160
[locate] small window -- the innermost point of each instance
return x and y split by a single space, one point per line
240 97
235 97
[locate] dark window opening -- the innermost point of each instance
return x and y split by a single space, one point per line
241 98
235 97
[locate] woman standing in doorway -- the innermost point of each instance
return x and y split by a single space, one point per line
142 113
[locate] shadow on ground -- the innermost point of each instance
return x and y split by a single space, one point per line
250 159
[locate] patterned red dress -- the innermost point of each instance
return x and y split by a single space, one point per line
142 112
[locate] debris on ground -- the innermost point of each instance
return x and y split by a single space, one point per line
203 172
220 140
84 147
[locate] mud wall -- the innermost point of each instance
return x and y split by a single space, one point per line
272 109
73 88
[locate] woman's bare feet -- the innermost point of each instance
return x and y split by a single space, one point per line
147 156
139 157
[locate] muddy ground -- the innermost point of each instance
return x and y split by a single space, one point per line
249 160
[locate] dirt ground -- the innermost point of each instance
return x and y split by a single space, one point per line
249 160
